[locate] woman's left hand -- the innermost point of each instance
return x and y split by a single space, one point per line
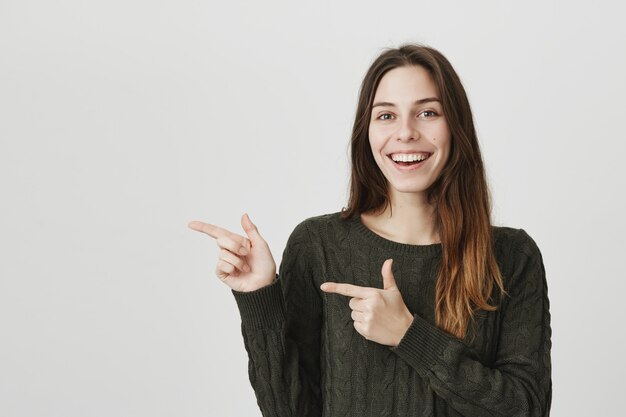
379 315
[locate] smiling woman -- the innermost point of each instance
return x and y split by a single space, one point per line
408 129
446 315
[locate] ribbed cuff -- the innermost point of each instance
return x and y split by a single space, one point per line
261 308
423 345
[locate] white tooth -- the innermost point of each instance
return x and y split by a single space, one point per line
409 158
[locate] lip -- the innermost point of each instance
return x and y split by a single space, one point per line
409 153
410 167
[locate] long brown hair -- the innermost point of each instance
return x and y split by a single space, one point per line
460 195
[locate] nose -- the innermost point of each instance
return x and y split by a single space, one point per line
408 131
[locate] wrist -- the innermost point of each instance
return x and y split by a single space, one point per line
408 321
265 283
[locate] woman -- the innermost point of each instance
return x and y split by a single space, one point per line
407 302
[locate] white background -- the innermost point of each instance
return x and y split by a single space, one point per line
122 120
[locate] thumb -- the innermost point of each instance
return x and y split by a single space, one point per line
389 282
250 228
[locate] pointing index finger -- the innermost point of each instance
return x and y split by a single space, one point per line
345 289
209 229
217 232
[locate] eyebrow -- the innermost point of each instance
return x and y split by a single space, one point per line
420 101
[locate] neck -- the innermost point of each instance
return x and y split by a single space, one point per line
410 219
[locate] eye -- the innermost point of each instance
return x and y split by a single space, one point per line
429 114
430 111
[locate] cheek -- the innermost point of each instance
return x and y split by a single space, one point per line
440 132
444 148
375 142
440 137
376 155
373 137
442 142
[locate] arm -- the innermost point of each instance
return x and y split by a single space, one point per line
519 381
281 324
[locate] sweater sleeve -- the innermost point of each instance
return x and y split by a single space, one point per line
280 324
518 382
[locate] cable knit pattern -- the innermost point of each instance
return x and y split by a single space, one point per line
306 359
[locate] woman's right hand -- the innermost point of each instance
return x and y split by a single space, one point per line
244 264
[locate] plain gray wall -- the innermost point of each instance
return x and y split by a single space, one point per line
121 121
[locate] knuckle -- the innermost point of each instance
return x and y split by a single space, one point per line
364 330
226 242
219 272
230 257
223 266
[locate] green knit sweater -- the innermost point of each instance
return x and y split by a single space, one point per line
306 358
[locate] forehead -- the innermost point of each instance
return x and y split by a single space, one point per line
407 83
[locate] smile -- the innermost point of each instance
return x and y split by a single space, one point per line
409 165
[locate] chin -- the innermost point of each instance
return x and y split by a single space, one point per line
415 189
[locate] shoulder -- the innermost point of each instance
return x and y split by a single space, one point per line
514 241
322 225
314 235
325 220
518 255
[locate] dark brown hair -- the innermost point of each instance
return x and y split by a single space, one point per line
460 195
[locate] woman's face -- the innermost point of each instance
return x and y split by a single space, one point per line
407 119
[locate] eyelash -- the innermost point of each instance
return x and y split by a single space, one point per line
425 111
